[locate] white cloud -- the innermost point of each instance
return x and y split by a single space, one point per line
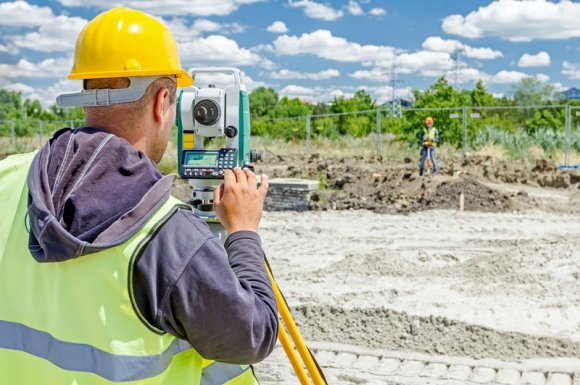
314 94
427 63
204 25
518 21
437 44
57 34
571 70
384 94
560 87
542 78
223 80
18 87
22 14
507 77
48 68
541 59
296 90
277 27
377 12
170 7
321 75
11 49
218 50
375 75
354 9
316 10
322 44
183 33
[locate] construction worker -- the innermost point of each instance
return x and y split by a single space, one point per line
106 278
428 137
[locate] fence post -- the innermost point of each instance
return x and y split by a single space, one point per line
464 126
568 134
378 132
72 124
308 134
12 132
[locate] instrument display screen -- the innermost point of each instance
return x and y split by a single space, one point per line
201 158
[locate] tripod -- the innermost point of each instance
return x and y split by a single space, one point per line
301 358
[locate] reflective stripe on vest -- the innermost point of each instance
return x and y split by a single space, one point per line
73 322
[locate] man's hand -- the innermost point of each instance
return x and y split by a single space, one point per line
238 202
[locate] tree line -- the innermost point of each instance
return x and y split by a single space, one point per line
284 117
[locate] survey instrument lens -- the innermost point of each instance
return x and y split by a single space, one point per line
206 112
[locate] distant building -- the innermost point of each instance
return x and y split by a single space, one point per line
571 94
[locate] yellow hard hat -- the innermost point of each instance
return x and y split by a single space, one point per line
123 42
429 119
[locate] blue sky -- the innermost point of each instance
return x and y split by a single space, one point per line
316 49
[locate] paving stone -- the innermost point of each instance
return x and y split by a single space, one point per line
345 360
434 370
410 368
508 376
559 379
325 358
459 372
533 378
482 375
388 365
366 362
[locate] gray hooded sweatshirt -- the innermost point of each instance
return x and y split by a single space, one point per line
91 190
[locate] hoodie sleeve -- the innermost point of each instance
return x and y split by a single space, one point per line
218 298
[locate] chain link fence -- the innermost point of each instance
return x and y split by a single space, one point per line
517 131
543 130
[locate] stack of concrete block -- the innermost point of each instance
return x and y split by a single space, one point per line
290 194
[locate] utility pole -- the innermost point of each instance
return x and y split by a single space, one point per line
457 65
393 81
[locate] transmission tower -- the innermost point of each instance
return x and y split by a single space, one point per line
395 103
457 65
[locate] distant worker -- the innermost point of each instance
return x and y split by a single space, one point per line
428 137
104 276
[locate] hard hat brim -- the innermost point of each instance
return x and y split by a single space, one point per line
183 78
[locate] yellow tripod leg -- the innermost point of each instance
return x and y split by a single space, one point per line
292 356
288 321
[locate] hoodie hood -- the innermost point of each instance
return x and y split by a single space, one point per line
89 190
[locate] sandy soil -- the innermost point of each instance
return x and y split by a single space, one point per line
442 283
390 284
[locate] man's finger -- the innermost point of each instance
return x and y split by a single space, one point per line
229 178
241 178
251 177
264 183
217 195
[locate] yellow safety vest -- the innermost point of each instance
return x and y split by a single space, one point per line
75 322
429 133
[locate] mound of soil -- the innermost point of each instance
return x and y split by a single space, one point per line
477 197
386 186
393 330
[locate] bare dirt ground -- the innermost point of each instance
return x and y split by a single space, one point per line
390 284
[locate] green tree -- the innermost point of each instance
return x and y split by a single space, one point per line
440 94
530 91
263 101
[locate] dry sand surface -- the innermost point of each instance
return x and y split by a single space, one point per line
390 284
433 295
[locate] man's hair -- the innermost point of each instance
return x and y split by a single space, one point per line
131 110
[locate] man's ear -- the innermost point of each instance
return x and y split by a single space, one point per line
161 104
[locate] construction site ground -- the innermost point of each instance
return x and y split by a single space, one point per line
391 284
